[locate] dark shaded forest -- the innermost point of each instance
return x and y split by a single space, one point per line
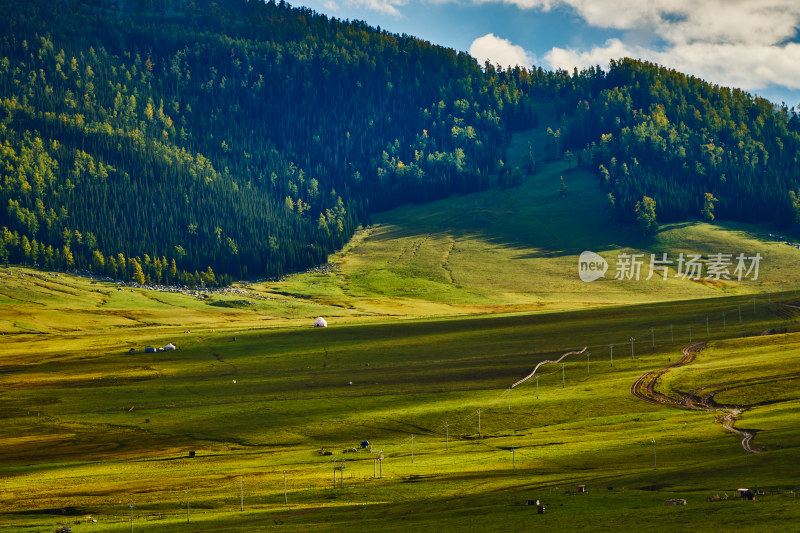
697 149
200 142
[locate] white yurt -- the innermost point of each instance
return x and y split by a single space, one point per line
320 323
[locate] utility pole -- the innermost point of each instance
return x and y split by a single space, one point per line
241 490
285 495
380 463
632 339
374 465
563 383
131 516
612 354
187 506
654 455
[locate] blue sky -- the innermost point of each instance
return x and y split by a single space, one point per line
751 44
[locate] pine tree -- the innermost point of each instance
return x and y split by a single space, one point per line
98 263
137 272
708 207
794 200
646 215
68 258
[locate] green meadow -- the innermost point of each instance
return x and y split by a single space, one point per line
89 428
434 311
516 249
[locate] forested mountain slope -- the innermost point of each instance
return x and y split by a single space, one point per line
696 148
195 142
247 137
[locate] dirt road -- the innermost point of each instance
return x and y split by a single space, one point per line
644 388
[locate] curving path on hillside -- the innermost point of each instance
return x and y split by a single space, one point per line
644 388
529 376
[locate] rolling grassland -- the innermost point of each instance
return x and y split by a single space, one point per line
435 311
517 249
89 428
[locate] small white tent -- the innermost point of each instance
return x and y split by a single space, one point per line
320 323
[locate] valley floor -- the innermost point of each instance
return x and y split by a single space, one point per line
256 420
91 429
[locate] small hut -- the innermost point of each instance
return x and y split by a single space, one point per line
320 323
169 346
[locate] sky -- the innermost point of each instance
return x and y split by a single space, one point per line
750 44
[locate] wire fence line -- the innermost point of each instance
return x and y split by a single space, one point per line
654 337
698 326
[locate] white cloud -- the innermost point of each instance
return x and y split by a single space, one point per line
685 20
500 51
389 7
745 43
330 4
750 67
599 55
739 65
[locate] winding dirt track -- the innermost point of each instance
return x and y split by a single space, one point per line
644 388
529 376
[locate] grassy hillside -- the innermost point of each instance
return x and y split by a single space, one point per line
510 249
501 250
256 392
89 428
35 302
435 310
